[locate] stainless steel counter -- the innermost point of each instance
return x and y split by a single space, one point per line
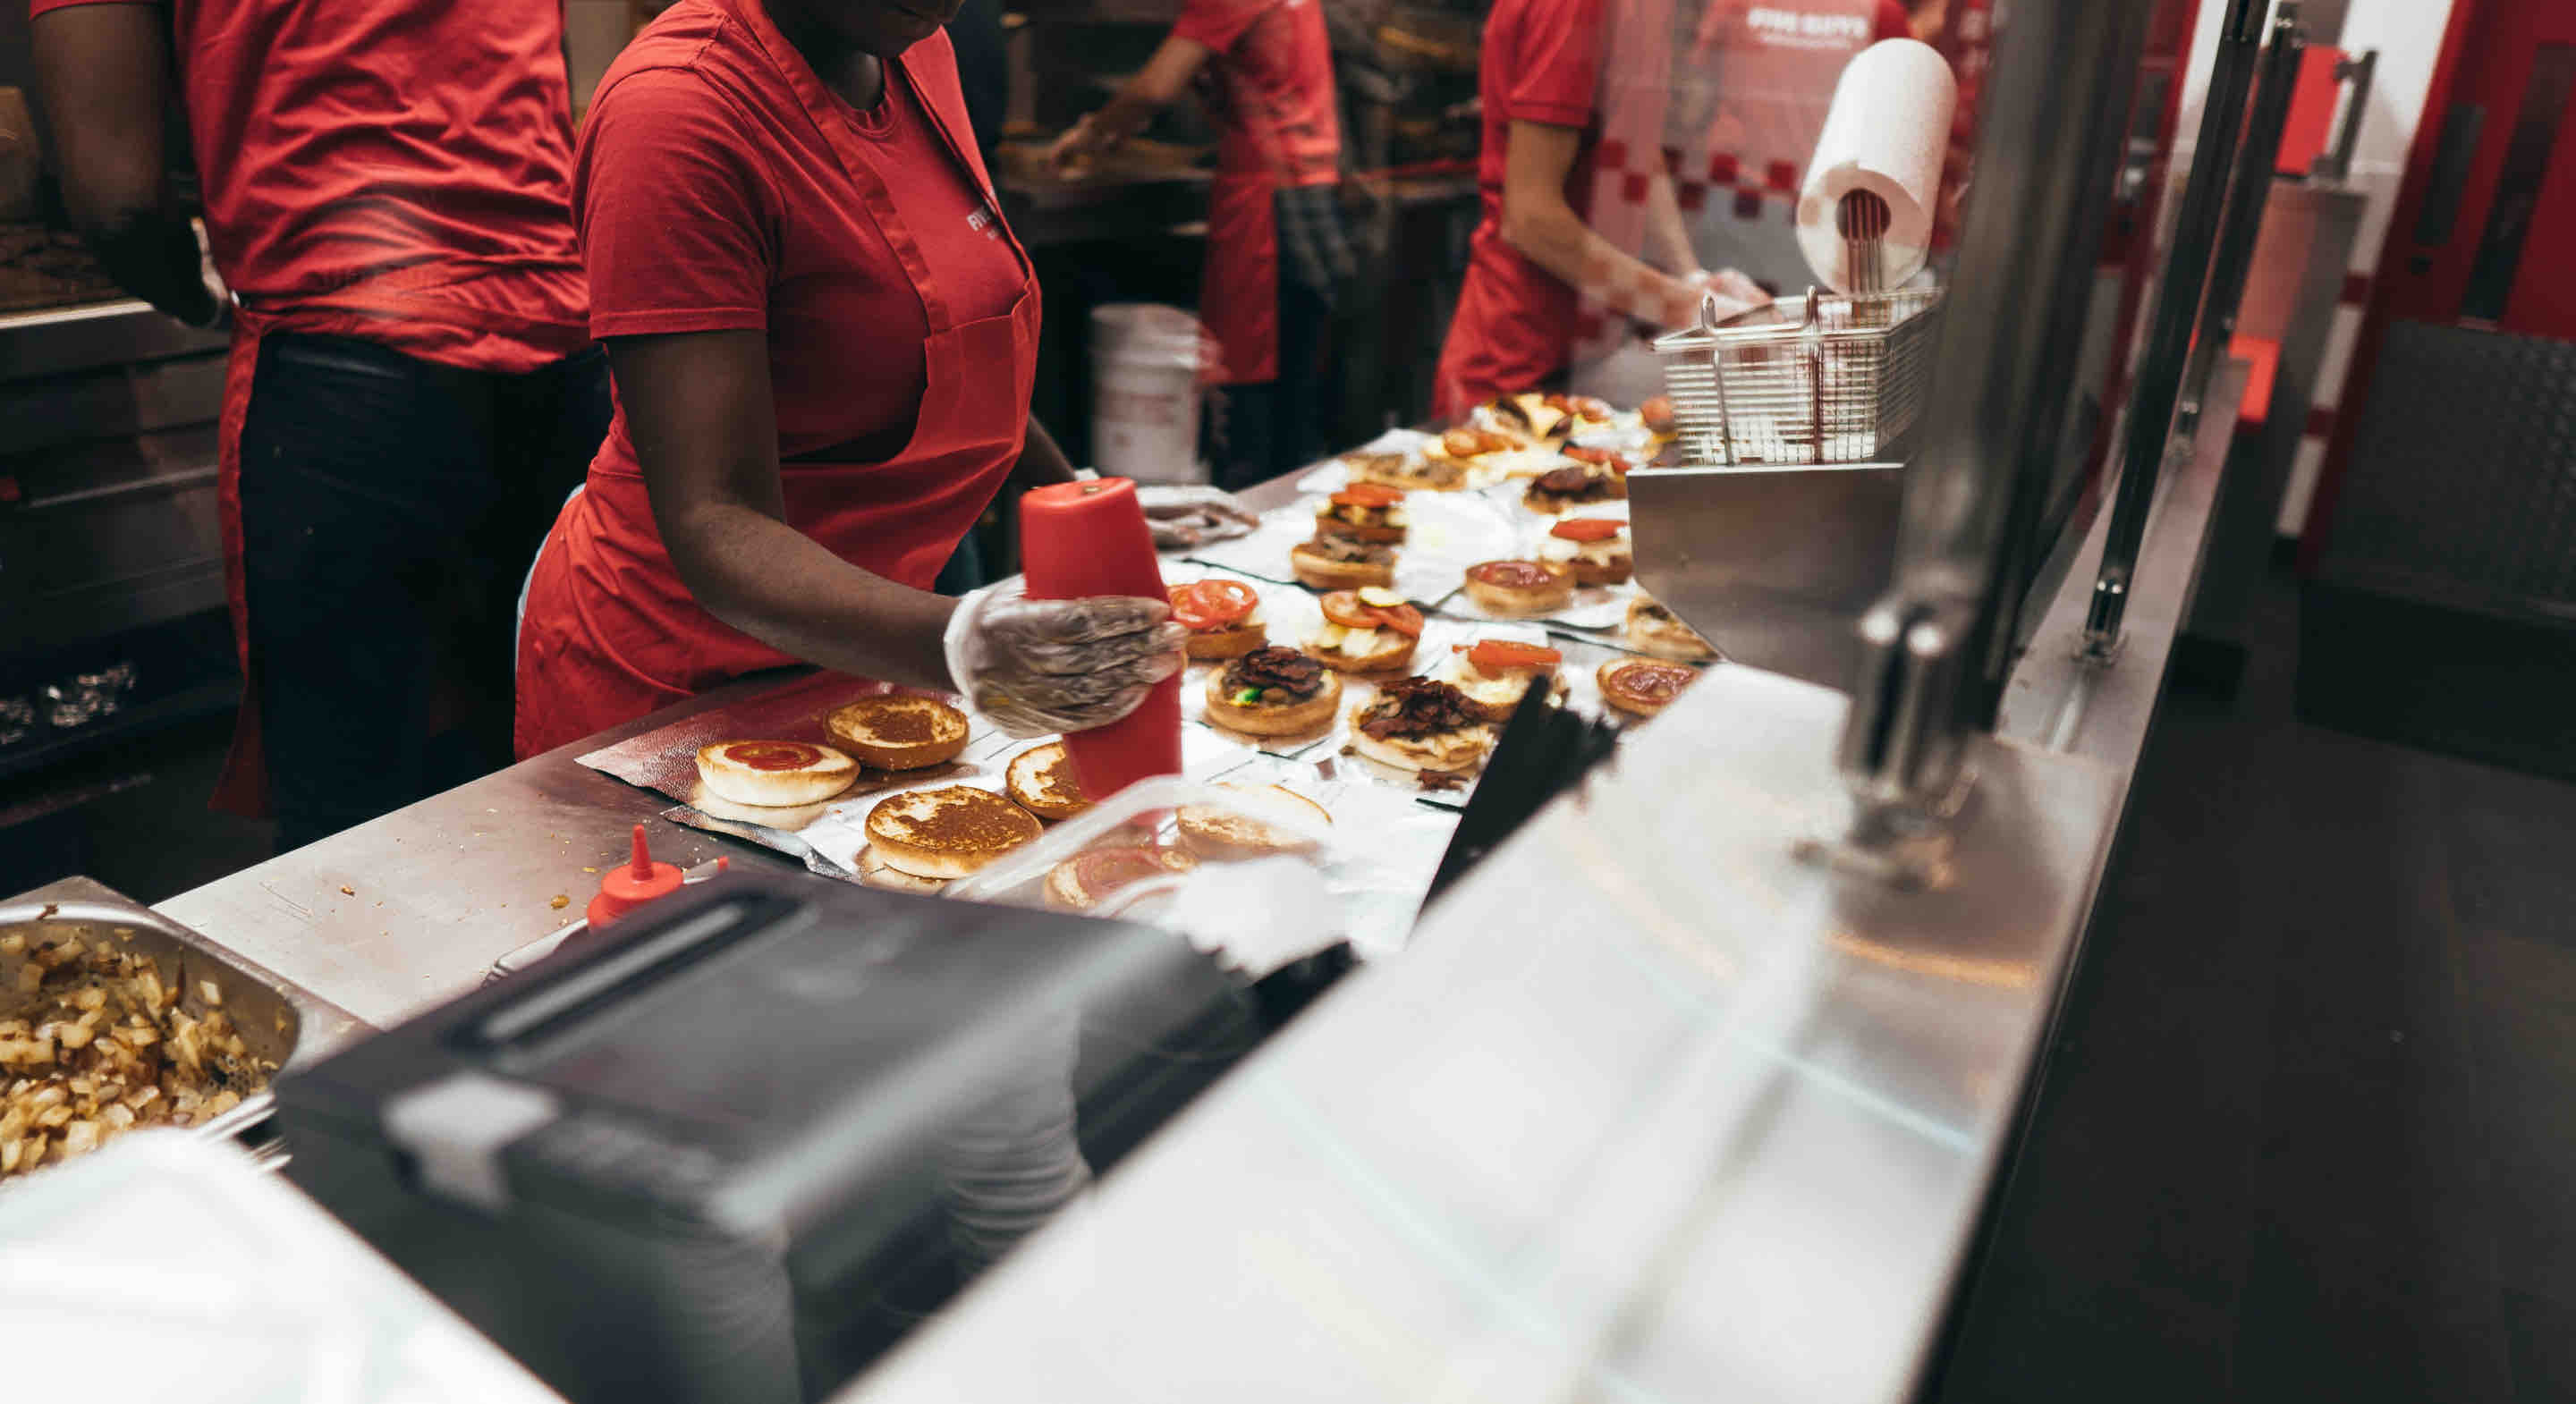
396 915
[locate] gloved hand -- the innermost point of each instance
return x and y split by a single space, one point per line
1036 666
1736 294
1182 517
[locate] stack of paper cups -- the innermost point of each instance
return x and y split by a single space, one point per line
1886 133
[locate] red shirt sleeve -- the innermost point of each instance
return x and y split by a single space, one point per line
676 215
1218 23
1556 63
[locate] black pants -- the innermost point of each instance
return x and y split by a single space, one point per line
390 508
1269 429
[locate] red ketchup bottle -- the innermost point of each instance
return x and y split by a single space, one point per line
622 890
1090 538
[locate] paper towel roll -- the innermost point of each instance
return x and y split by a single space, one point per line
1887 132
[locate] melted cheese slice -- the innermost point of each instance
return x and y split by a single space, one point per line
1354 643
1556 548
1490 691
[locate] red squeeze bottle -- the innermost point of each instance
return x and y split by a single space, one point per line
622 890
1090 538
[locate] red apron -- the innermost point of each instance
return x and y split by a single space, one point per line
1239 282
243 786
611 633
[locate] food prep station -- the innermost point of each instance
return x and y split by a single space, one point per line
1698 1084
1860 1090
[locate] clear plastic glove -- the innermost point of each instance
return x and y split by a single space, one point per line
1038 666
1183 517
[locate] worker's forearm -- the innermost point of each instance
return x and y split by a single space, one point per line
1561 243
1122 117
783 588
153 255
1668 244
1042 461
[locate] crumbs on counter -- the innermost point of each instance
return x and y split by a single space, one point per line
559 901
348 891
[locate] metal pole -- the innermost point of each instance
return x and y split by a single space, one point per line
2000 631
2160 370
2000 343
2246 203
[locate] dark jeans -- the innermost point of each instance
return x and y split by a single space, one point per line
1277 427
1269 429
390 508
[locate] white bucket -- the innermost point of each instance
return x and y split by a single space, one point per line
1145 393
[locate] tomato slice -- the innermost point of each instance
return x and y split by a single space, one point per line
1463 443
1346 608
1494 654
1404 619
1368 495
1211 604
1587 528
1598 457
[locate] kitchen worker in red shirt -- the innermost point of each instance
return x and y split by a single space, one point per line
1532 258
1277 254
822 337
412 387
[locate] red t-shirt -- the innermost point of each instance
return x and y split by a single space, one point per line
1272 86
709 200
1515 320
350 149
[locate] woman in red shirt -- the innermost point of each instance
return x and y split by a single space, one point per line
1277 256
822 337
1533 256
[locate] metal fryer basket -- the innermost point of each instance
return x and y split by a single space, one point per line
1823 379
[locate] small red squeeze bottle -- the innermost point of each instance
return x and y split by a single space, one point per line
1090 538
623 889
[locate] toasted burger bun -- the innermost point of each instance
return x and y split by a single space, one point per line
946 832
1664 638
1223 833
1641 687
1537 597
774 774
1325 573
1384 533
1434 472
787 818
1609 562
1393 653
1272 718
900 731
874 872
1041 780
1226 640
1095 875
1618 570
1460 752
